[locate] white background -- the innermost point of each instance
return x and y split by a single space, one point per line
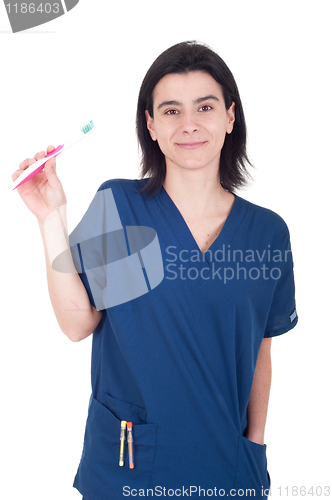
89 64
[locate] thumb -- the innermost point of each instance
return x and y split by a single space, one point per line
50 172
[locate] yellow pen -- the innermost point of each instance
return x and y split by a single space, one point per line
130 444
122 440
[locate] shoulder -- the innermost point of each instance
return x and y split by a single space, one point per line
264 218
127 185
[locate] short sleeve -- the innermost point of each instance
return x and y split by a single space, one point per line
88 244
116 263
283 315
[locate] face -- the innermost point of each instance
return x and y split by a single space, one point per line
190 120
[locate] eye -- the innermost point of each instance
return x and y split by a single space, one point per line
171 112
205 107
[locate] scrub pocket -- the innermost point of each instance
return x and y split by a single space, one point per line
99 471
251 471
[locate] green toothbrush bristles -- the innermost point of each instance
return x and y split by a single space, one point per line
87 127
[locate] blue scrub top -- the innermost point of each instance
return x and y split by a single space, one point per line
177 359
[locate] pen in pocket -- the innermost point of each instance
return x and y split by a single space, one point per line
130 444
122 441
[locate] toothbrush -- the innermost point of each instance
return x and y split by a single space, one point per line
38 166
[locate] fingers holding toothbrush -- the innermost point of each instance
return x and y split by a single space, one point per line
43 193
30 161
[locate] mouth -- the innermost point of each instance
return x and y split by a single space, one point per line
190 145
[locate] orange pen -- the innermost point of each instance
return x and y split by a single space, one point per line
130 444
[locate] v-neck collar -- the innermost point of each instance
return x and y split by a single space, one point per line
184 235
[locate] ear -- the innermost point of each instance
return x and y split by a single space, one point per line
231 118
150 125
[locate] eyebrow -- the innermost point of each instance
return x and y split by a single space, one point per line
198 101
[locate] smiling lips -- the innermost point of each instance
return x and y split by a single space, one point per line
191 145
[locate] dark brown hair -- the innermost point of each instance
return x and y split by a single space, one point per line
183 58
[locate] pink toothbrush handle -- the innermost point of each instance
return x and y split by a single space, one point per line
57 150
40 168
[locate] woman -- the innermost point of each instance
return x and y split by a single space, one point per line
183 284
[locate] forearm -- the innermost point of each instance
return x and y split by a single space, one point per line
74 312
260 392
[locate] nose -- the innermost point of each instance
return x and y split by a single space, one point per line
189 123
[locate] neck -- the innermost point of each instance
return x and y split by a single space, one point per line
196 191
